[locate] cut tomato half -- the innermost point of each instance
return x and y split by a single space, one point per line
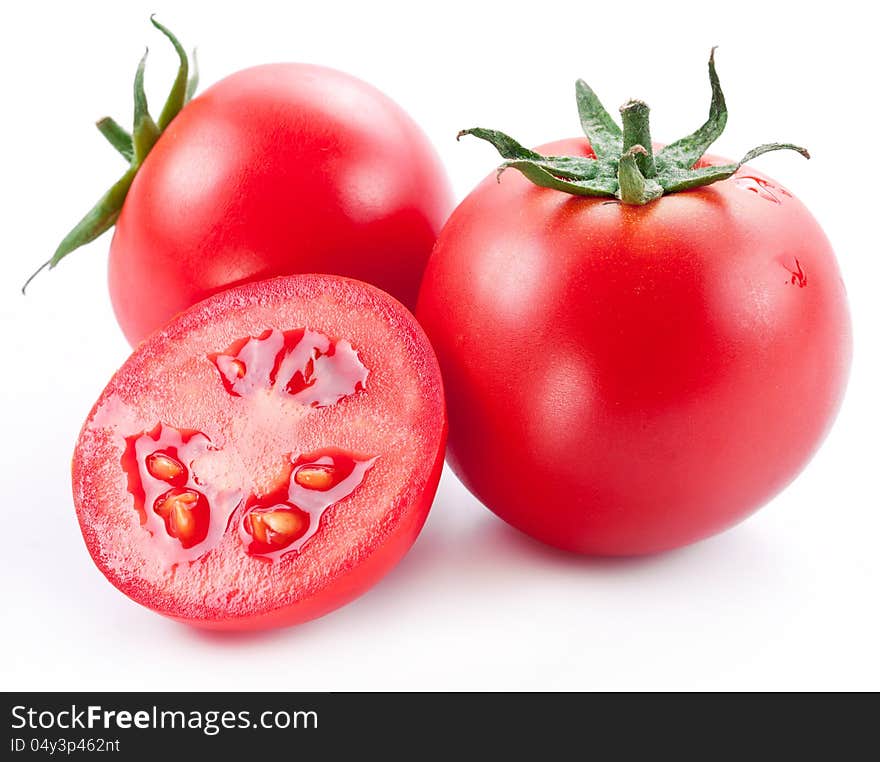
266 457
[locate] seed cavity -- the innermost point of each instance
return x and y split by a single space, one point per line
184 516
283 521
301 364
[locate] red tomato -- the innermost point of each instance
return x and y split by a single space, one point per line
278 169
627 379
266 457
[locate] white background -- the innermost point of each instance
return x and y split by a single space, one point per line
787 600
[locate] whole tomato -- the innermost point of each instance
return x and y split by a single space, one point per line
277 169
627 375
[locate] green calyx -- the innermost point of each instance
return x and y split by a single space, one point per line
625 166
133 146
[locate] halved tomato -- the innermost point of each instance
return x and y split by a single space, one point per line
266 457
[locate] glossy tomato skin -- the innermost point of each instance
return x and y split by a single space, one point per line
625 380
275 170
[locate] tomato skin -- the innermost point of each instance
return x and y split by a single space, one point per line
277 169
171 376
624 380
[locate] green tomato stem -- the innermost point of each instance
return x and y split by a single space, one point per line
625 166
133 146
637 132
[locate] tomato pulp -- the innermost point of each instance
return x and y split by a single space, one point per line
266 457
277 169
628 379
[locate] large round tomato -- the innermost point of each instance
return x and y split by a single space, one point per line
626 379
266 457
278 169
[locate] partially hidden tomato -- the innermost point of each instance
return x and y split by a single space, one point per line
277 169
633 359
266 457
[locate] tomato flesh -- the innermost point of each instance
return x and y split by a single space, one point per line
266 457
625 380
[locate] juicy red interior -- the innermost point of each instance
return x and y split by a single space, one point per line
162 472
300 419
173 504
305 364
341 472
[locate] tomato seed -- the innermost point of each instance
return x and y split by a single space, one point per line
283 522
186 514
162 466
315 477
275 528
